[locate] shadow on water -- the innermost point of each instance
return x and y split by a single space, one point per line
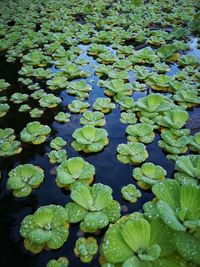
108 171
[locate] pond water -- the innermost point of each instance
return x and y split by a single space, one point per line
108 169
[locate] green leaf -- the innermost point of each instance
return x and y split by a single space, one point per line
135 262
151 254
43 216
102 196
39 236
58 238
168 191
82 196
114 248
169 216
189 201
75 212
94 220
188 247
136 234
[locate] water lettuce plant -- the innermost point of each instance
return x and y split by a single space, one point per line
60 262
78 106
49 101
24 178
62 117
140 132
10 148
194 144
79 88
35 133
74 170
57 143
130 193
103 105
188 169
148 174
116 86
57 156
24 108
36 113
3 85
86 248
8 145
4 108
133 241
95 118
159 82
89 139
187 98
35 58
143 56
128 118
175 119
18 98
132 153
93 206
47 228
168 53
174 141
57 83
188 60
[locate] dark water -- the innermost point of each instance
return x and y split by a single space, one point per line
108 171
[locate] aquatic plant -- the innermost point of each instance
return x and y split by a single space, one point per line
159 82
116 86
24 108
188 60
93 206
143 56
78 106
187 98
103 105
130 193
188 169
175 119
57 143
49 100
132 153
73 170
3 85
35 133
62 117
148 174
24 178
140 132
18 98
60 262
57 83
35 58
174 141
79 88
47 228
10 148
95 118
96 49
89 139
194 144
36 113
3 109
57 156
128 118
133 241
86 248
